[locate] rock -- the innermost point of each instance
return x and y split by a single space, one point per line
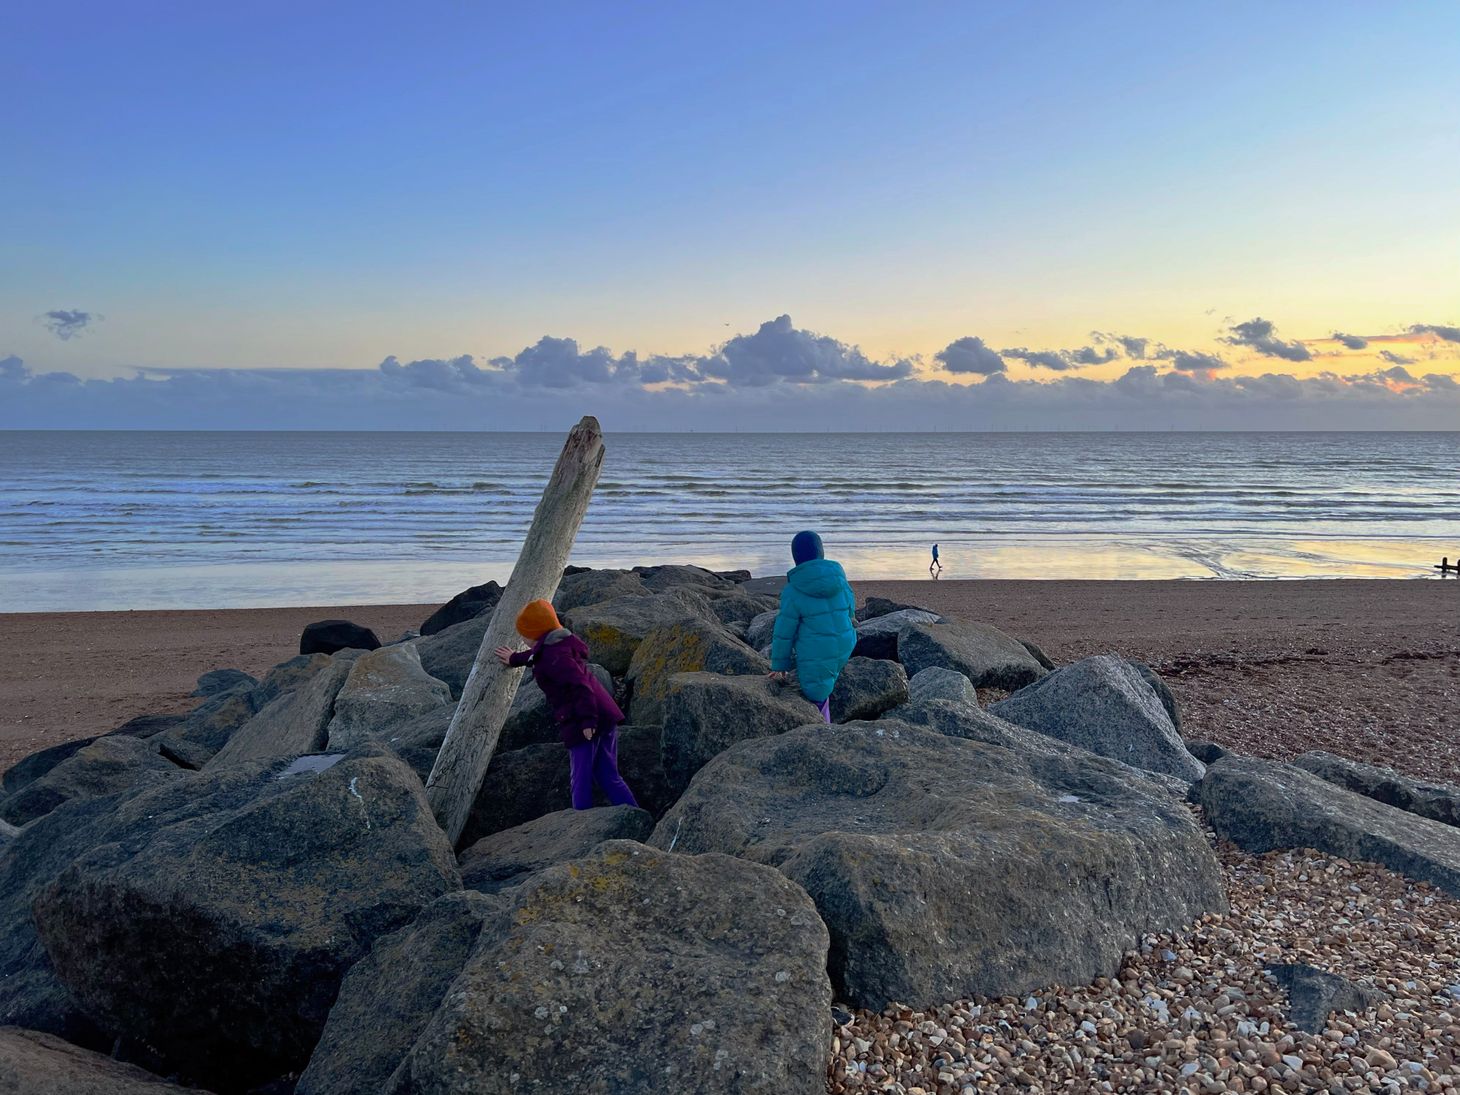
736 576
1436 801
874 607
1208 752
418 741
761 630
390 995
629 970
1264 805
1314 995
706 713
877 636
614 629
1040 656
530 721
867 689
107 765
383 689
1162 690
660 579
687 646
223 680
937 683
216 915
293 723
903 836
449 654
29 769
596 586
329 636
1104 705
32 1063
207 728
983 654
739 608
466 605
527 783
504 859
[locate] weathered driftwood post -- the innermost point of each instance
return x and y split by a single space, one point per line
490 687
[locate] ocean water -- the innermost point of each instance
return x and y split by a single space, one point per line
106 520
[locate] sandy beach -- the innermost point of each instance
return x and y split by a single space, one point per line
1366 668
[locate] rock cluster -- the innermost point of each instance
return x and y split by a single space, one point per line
254 896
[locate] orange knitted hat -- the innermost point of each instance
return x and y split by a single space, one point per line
536 620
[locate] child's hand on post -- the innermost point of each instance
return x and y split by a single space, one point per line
504 654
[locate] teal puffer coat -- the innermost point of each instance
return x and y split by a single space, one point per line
817 625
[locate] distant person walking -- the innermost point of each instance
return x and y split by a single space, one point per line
816 629
935 564
586 715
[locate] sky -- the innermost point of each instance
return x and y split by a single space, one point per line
750 216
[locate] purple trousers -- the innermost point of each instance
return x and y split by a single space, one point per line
596 763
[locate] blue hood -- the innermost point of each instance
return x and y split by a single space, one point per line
817 577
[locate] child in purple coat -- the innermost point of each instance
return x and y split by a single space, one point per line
586 715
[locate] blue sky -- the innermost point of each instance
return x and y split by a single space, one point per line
326 186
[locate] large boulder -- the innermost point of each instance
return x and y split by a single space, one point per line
530 720
390 995
706 713
384 688
873 607
29 769
877 635
591 587
504 859
449 654
687 646
216 914
1104 705
331 636
946 868
223 680
734 607
866 689
761 629
466 605
208 727
107 765
937 683
418 741
527 783
627 971
614 629
981 652
1264 805
32 1063
1436 801
292 723
659 579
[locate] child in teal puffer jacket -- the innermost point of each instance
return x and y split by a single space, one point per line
817 625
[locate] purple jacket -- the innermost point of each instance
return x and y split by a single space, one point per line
559 662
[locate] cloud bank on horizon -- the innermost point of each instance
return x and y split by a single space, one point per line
780 377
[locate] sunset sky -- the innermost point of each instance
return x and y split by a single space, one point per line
204 205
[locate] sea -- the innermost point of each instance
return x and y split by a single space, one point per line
154 520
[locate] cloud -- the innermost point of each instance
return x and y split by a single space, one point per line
1131 345
559 363
779 351
67 324
1353 342
1063 360
970 355
1259 334
1191 361
1397 359
1448 333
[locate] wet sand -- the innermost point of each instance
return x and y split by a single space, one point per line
1368 668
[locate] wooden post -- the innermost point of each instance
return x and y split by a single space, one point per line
487 695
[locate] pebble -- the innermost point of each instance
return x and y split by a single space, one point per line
1196 1012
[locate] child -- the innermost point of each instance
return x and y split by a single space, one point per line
587 717
817 623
